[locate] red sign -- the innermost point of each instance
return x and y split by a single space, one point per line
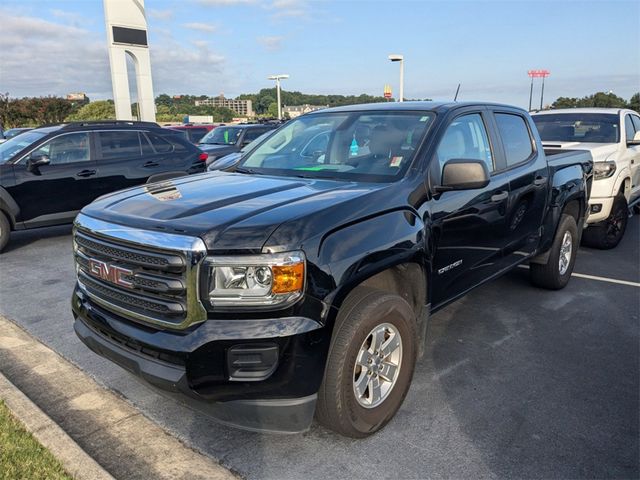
539 73
387 91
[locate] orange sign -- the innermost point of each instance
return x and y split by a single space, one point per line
387 91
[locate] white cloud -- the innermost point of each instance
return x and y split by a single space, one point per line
43 58
272 43
226 2
72 18
279 8
289 8
159 14
46 58
203 27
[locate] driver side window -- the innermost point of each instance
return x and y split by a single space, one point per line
70 148
466 137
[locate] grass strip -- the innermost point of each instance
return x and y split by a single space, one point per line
21 455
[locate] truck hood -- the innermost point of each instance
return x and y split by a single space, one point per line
599 151
229 211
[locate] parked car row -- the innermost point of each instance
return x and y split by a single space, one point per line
48 174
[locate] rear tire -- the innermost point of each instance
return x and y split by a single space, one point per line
5 231
609 232
370 363
555 274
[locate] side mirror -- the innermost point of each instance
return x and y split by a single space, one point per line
463 174
635 141
36 161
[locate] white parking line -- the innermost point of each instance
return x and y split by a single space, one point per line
599 279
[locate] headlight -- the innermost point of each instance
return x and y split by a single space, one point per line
603 169
254 281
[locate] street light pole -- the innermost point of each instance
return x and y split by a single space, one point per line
399 58
277 78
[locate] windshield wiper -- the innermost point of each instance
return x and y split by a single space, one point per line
247 170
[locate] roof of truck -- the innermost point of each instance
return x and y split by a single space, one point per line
614 111
407 106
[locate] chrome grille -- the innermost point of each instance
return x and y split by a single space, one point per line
157 278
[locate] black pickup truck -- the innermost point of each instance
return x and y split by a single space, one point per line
302 283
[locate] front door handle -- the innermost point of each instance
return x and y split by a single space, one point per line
151 164
86 173
540 180
499 196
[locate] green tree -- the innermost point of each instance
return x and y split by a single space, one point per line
565 102
272 111
100 110
602 99
634 102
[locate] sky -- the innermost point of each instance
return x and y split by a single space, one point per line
208 47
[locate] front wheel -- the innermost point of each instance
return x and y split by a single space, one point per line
608 233
370 364
555 274
5 231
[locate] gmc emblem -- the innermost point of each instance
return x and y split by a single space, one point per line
110 273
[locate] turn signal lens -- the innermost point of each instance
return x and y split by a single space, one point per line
288 278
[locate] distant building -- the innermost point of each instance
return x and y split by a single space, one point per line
297 110
241 107
78 97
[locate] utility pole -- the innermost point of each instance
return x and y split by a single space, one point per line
277 78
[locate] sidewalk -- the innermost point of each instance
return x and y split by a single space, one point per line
112 432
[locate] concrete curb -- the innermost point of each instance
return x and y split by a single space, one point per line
75 460
108 428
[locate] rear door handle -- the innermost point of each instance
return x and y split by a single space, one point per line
540 181
150 164
499 196
86 173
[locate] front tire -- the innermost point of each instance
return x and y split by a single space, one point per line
5 231
555 274
608 233
370 363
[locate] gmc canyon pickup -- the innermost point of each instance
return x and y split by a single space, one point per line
302 283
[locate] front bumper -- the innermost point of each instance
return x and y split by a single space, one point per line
605 205
191 366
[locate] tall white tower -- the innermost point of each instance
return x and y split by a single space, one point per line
127 35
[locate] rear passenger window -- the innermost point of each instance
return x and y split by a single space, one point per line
515 137
119 144
197 134
465 138
160 145
252 134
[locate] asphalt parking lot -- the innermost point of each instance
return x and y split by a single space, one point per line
515 382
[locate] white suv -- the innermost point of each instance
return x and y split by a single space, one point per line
612 135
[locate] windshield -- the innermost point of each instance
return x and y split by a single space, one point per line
356 146
14 145
222 136
15 131
578 127
252 146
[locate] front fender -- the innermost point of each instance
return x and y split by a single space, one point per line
360 250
